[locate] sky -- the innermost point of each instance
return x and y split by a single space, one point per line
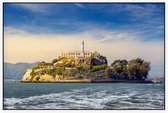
41 32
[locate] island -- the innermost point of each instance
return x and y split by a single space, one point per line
88 67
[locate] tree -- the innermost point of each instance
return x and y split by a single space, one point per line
138 69
119 69
37 78
97 68
59 71
54 61
51 71
119 62
65 74
33 74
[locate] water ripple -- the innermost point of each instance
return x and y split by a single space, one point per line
91 98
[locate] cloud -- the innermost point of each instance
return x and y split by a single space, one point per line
36 8
80 5
51 9
137 12
69 18
146 13
27 47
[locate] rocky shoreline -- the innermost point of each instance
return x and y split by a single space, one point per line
88 81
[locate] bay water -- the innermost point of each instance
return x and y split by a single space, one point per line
83 95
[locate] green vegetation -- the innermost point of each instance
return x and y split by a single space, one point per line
33 74
50 71
42 65
59 70
119 69
87 67
97 68
65 74
37 78
66 62
54 61
136 69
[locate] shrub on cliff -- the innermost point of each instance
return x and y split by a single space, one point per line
51 71
138 69
79 76
54 61
87 67
37 78
97 68
119 69
33 74
59 70
65 74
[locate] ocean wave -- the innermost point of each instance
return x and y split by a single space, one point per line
90 98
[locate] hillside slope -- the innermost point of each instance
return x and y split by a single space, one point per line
15 71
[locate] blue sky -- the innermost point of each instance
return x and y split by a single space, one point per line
147 20
118 31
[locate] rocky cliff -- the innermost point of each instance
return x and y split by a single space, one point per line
88 70
66 69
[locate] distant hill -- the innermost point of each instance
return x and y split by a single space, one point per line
15 71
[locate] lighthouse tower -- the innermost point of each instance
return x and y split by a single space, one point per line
82 48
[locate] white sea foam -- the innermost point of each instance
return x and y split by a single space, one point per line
90 98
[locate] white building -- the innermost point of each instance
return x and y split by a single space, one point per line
82 53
